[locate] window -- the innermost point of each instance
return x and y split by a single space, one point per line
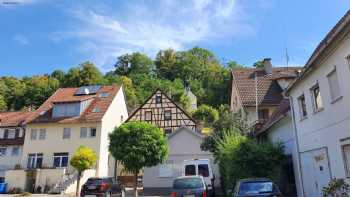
316 98
334 85
3 151
15 151
66 133
104 94
33 134
92 132
11 134
18 132
148 115
60 160
42 134
302 107
167 115
167 131
190 170
346 155
2 132
203 170
66 109
96 110
35 160
263 114
166 169
158 99
83 132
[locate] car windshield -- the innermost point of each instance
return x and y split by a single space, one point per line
94 181
256 187
188 183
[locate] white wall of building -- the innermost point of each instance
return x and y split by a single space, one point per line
116 114
283 132
330 127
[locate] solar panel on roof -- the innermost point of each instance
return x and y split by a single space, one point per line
86 90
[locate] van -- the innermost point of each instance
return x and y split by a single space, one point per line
200 167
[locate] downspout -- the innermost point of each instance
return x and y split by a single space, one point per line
301 185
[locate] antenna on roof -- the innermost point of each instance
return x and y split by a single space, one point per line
287 57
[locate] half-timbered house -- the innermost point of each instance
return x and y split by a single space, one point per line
161 111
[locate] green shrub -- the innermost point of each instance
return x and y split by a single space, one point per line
241 157
206 114
335 188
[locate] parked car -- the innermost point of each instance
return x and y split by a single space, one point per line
200 167
97 187
256 187
189 186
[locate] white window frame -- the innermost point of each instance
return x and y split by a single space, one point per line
332 86
60 159
13 153
315 106
83 132
66 133
42 134
93 128
11 134
300 104
166 169
34 159
33 134
3 151
167 115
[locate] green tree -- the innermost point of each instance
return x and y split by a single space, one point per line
259 64
3 105
137 145
134 63
84 158
165 62
59 75
206 114
228 122
234 65
242 157
85 74
38 89
13 93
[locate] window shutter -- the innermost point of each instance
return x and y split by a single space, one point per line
1 133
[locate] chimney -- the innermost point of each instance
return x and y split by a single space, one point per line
267 65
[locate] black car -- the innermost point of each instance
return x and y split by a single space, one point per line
256 187
98 187
189 186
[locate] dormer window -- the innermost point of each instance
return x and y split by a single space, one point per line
103 94
66 109
96 110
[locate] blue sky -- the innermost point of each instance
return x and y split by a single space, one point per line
38 36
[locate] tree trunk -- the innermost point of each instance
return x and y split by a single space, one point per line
77 192
116 169
135 187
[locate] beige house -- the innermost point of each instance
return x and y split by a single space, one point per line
12 132
71 117
258 91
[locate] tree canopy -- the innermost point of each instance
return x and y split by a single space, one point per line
140 75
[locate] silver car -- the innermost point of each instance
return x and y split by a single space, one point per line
189 186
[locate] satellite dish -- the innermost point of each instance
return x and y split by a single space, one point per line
86 91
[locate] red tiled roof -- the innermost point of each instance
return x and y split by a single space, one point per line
280 112
13 119
44 113
269 92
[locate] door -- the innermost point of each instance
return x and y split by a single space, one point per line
315 171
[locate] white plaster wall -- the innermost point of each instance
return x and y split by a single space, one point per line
283 132
182 146
110 120
15 179
328 127
54 143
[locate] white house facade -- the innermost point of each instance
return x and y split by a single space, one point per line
320 99
70 118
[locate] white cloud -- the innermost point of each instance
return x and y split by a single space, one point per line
149 28
21 39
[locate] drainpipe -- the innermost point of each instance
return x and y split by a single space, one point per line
301 185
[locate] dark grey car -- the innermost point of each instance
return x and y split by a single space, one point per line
189 186
256 187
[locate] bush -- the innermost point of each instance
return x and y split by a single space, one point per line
241 157
335 188
206 114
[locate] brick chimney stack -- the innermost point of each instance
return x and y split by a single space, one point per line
267 65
